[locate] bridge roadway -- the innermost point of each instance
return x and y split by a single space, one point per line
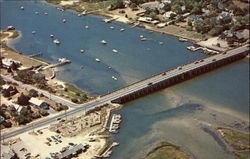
99 102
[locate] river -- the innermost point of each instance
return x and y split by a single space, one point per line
173 114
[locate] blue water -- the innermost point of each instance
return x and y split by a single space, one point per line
170 114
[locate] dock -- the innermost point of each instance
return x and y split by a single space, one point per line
115 123
62 61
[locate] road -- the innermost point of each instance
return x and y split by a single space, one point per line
99 102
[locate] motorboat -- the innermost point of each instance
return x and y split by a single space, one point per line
56 41
112 27
103 42
64 20
161 43
122 29
141 36
36 13
33 32
114 78
45 13
143 39
22 7
51 35
97 60
82 51
86 27
115 51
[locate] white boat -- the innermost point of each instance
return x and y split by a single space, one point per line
33 32
82 51
36 13
143 39
115 51
86 27
56 41
114 78
112 27
64 60
81 14
141 36
45 13
122 29
22 8
182 40
161 43
109 67
64 20
51 35
97 60
103 42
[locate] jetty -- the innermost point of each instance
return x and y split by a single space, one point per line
109 20
61 62
36 55
108 151
115 123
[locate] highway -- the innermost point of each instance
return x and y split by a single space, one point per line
118 93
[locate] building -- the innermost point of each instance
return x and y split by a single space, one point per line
72 152
18 108
12 90
39 103
2 119
169 15
7 63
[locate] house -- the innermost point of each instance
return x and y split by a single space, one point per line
10 27
169 15
72 152
39 103
7 63
150 6
12 90
227 34
161 8
18 108
193 17
166 1
145 19
2 119
239 37
223 17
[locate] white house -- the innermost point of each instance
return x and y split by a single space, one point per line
39 103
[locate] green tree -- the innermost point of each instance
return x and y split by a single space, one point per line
23 99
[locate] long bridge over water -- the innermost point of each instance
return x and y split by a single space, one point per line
142 88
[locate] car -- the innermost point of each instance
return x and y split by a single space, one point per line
201 60
163 73
196 62
214 60
58 119
150 83
180 68
71 144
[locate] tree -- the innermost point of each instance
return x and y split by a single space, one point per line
6 93
201 26
216 31
2 81
23 99
44 112
33 93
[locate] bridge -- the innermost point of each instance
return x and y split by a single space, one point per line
179 74
144 87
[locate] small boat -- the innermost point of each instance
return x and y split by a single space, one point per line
114 78
143 39
182 40
45 13
82 51
122 29
141 36
103 42
97 60
56 41
64 60
115 51
86 27
33 32
81 67
64 20
36 13
161 43
51 35
109 67
81 14
112 27
22 8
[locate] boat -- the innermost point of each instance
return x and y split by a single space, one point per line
56 41
103 42
81 14
22 8
114 78
112 27
122 29
86 27
82 51
115 51
97 60
33 32
81 67
36 13
182 40
141 36
45 13
143 39
63 60
109 67
64 20
161 43
51 35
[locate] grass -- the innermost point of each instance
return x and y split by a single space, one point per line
166 150
239 141
14 35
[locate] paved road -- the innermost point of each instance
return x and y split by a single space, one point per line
121 92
